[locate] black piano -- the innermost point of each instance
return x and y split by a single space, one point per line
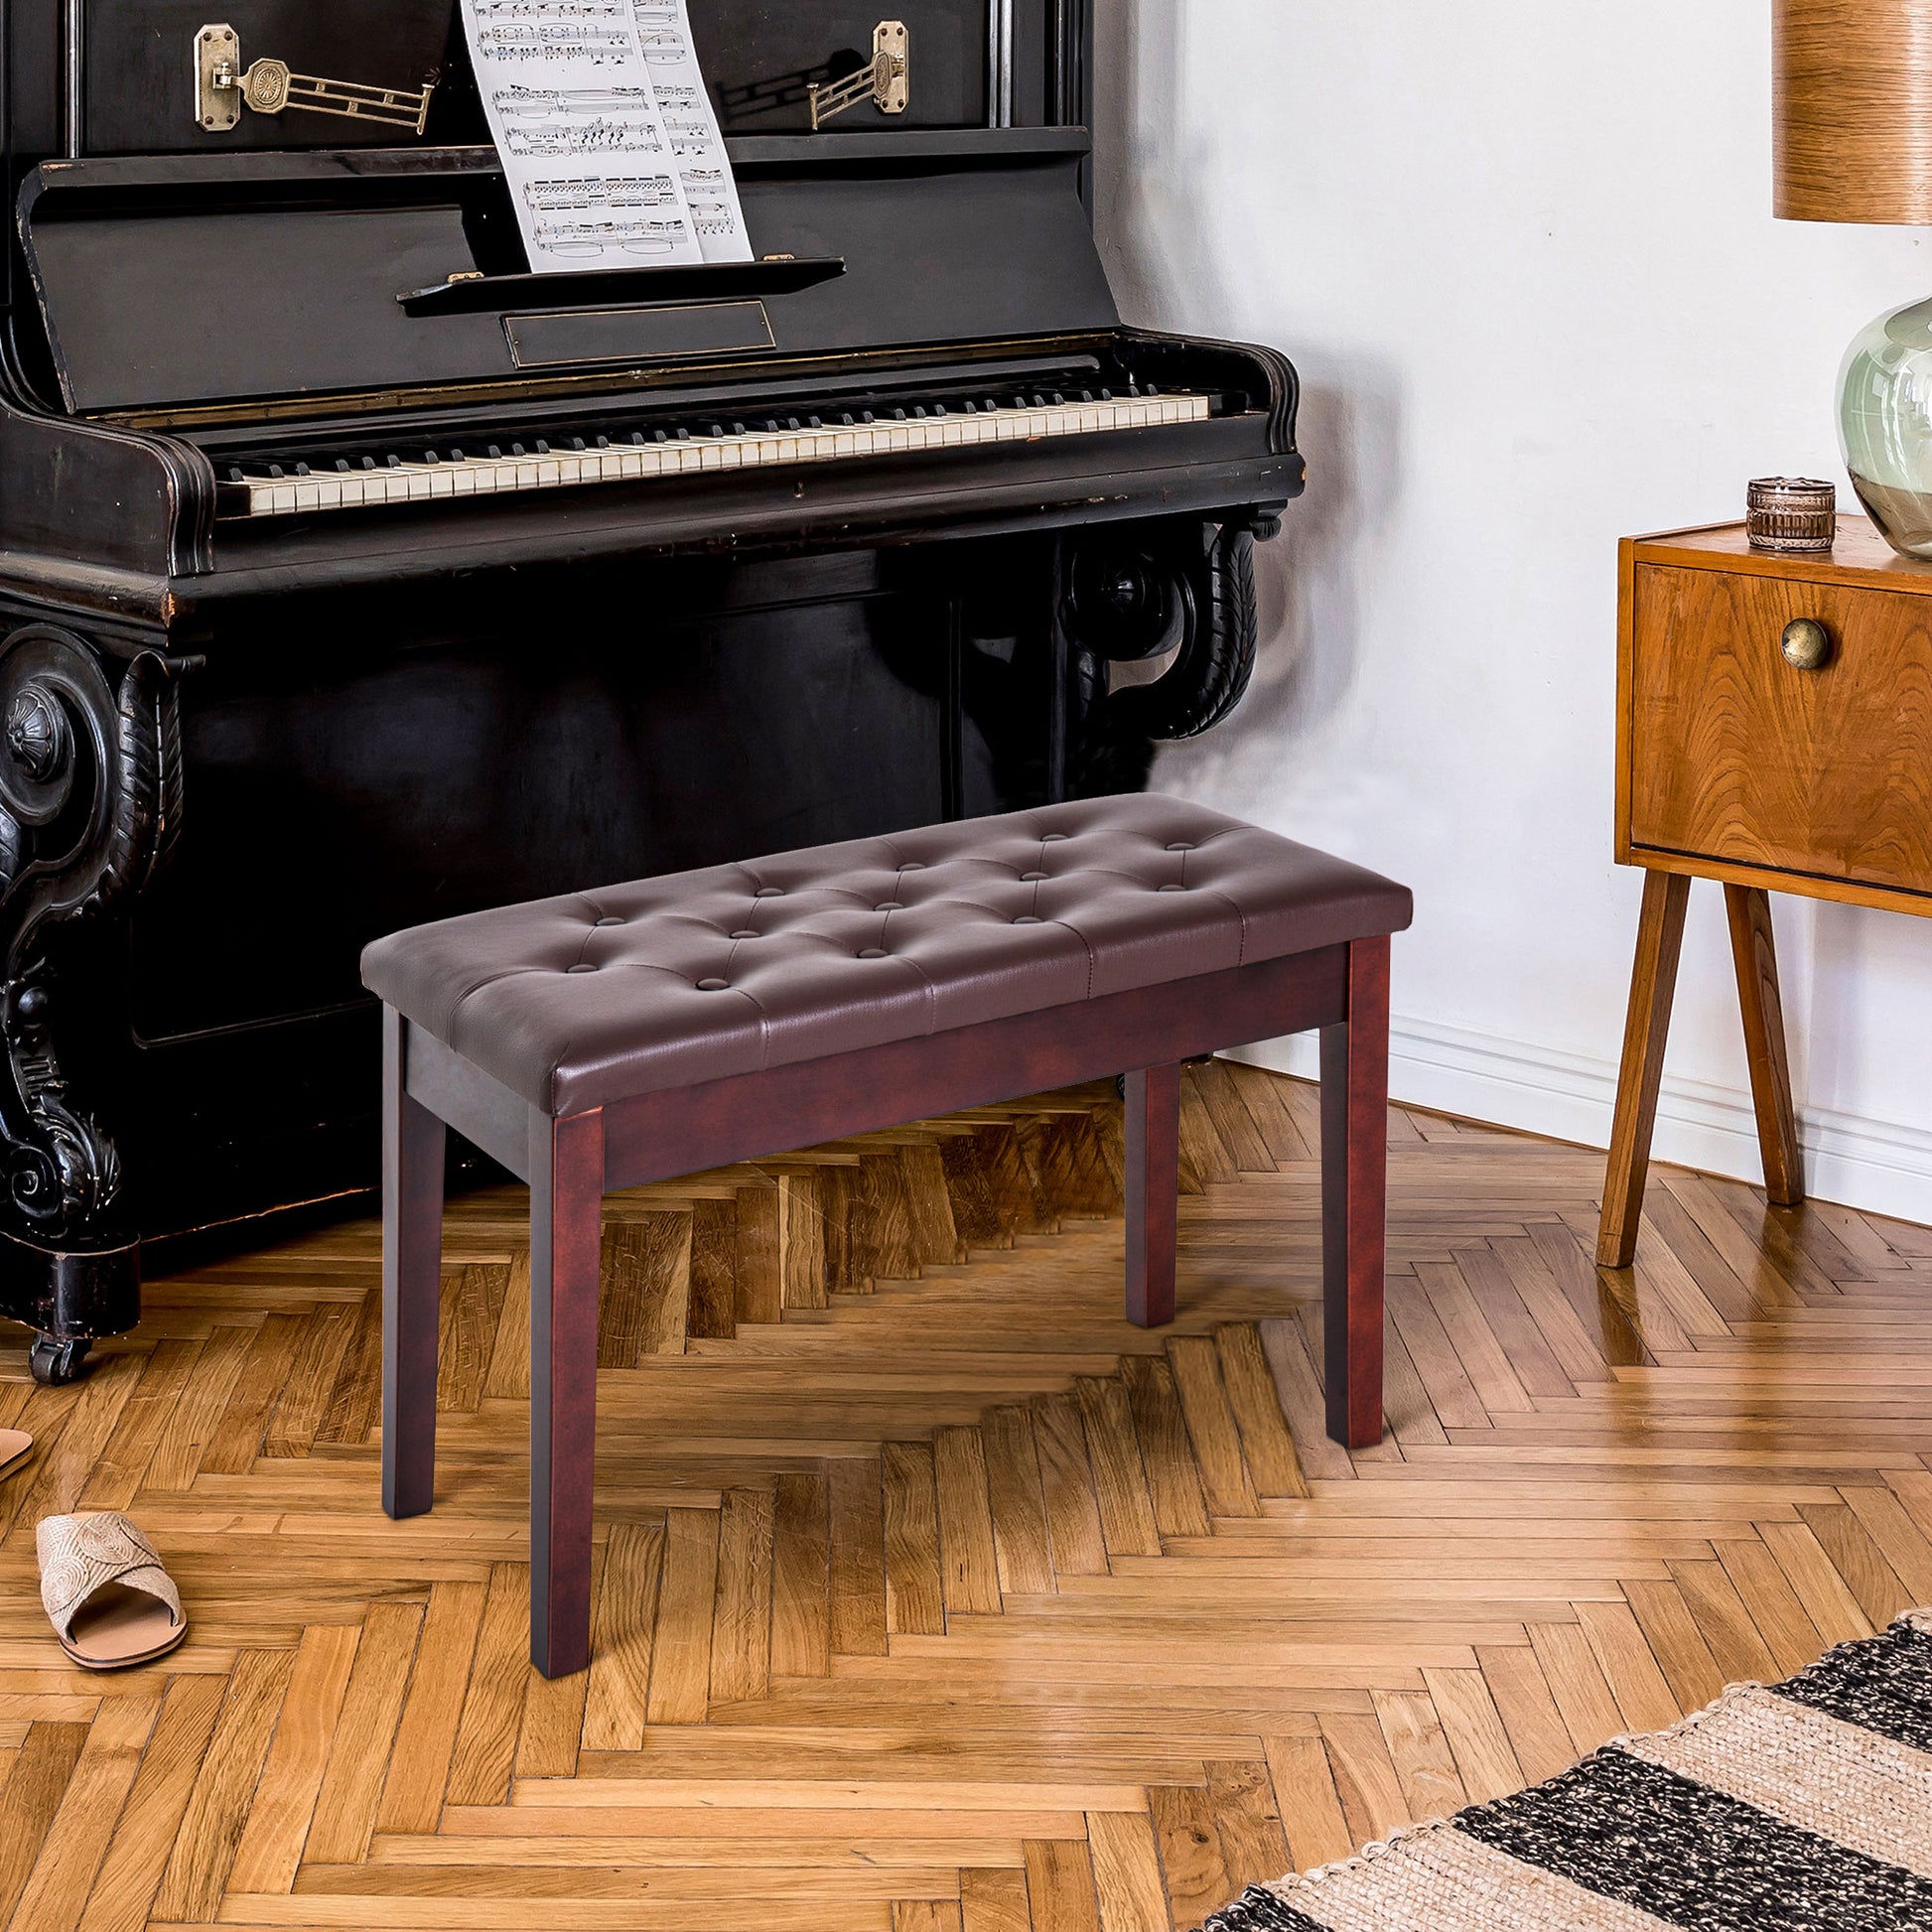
353 577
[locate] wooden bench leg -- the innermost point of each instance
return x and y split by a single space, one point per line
566 1227
412 1269
1152 1192
1653 987
1354 1196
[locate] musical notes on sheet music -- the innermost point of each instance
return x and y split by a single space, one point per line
547 101
569 90
578 219
691 125
603 135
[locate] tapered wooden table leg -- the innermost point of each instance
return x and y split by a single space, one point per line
566 1223
1354 1196
1653 986
1755 952
412 1271
1152 1192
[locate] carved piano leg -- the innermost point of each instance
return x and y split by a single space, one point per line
90 782
1131 594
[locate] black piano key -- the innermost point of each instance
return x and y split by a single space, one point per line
495 452
812 422
576 441
542 448
275 470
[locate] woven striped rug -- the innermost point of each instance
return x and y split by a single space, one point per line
1805 1806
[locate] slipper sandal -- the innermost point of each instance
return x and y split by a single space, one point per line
111 1603
14 1445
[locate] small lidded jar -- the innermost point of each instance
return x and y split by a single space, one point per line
1792 513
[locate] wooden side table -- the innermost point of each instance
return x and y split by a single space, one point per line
1774 732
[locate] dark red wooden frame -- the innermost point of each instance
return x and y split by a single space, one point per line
572 1163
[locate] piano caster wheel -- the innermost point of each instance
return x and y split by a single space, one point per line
56 1362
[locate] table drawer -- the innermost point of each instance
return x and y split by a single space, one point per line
1736 756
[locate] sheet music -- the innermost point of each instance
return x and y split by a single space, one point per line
698 147
591 166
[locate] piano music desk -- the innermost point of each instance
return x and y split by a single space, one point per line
1774 732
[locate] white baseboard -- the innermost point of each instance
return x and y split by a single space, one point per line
1879 1165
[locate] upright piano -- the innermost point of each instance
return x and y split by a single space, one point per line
350 576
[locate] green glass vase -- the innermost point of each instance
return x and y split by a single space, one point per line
1884 421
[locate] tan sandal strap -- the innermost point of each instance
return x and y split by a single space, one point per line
82 1555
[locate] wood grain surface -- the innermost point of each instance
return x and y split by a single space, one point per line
1734 755
1852 110
956 1603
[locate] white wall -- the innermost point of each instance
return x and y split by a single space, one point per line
1523 255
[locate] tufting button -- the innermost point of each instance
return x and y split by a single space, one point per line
875 952
1051 837
1030 918
746 932
890 906
769 891
611 918
1174 889
1032 877
914 865
1181 846
585 967
713 985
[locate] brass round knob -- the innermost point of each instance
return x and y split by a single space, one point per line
1807 645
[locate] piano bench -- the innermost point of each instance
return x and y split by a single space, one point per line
641 1031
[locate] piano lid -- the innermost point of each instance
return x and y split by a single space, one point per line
167 283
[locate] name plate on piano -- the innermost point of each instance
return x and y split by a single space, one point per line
551 338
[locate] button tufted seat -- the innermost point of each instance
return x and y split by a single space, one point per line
576 1002
634 1033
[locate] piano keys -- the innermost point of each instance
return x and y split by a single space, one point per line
314 479
353 576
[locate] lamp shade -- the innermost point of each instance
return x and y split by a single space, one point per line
1852 110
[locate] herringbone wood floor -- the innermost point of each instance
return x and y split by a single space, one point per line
953 1605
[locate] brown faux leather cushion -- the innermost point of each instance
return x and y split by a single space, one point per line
576 1003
